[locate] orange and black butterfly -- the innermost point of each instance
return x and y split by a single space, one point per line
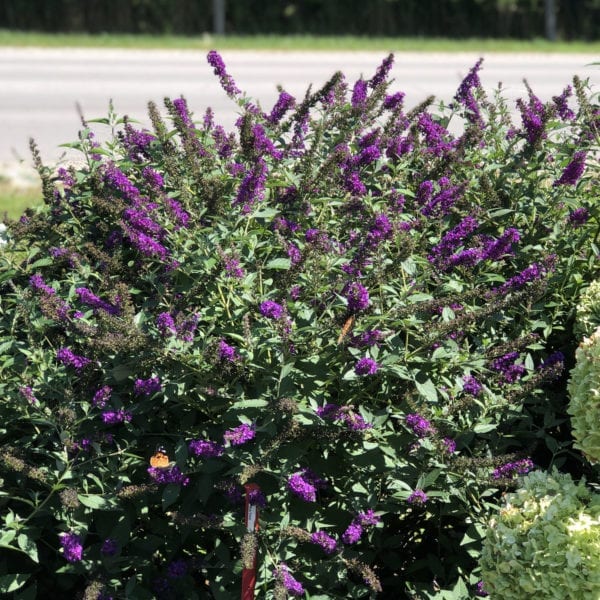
347 328
160 459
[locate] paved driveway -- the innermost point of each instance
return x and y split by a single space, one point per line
40 88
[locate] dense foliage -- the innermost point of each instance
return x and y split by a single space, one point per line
524 19
341 302
545 540
584 395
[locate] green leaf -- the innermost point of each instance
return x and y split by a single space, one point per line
251 404
427 390
7 537
28 546
12 582
170 495
93 501
279 263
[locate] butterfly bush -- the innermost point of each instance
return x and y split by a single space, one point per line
361 308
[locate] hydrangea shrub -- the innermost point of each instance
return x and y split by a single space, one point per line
545 540
340 302
588 311
584 397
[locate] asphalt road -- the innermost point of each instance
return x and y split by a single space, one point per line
40 88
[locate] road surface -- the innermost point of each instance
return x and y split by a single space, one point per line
40 88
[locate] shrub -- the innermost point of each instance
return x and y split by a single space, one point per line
545 540
341 303
584 393
588 311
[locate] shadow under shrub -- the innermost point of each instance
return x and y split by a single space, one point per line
341 302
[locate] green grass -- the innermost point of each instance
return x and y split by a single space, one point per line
14 200
299 42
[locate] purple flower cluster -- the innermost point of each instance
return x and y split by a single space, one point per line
227 353
418 497
356 528
137 142
232 267
333 412
305 484
102 396
453 239
357 296
533 117
227 83
518 281
90 299
28 394
72 547
382 72
465 96
263 145
327 543
359 94
394 101
471 386
366 366
420 426
480 590
166 324
39 285
109 547
284 103
115 178
240 435
512 469
283 575
252 187
578 217
206 448
562 104
256 497
574 170
168 475
438 140
271 309
68 358
449 445
147 387
510 371
114 417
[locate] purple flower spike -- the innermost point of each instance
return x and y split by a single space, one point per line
293 586
69 359
418 497
271 309
574 170
72 547
324 540
227 83
366 366
205 448
357 296
420 426
353 533
147 387
240 435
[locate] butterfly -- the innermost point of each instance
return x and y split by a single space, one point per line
348 325
160 459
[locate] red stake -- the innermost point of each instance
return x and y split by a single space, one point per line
251 521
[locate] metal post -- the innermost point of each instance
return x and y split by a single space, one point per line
219 17
550 19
